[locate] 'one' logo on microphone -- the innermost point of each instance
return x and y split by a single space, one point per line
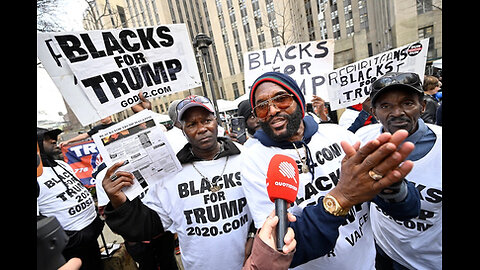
287 170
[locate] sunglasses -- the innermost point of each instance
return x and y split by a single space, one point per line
403 78
281 102
190 99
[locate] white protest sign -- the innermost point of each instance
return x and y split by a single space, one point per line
65 81
112 66
307 63
350 84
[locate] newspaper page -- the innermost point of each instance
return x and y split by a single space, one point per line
140 141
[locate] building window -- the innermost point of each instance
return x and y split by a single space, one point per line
121 14
427 32
155 11
229 59
347 11
149 13
310 25
322 22
363 12
236 93
424 6
272 22
142 12
335 22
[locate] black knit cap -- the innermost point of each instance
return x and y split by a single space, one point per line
285 81
244 109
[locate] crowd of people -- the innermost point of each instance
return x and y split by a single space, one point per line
369 196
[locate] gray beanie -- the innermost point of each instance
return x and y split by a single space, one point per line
172 110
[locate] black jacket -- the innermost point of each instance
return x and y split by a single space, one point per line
136 222
430 114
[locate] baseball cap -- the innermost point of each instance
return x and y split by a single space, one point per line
51 133
406 80
193 101
172 110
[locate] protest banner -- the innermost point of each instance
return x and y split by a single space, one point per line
307 63
101 72
350 84
140 142
83 158
62 76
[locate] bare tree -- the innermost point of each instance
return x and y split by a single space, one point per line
286 23
95 15
283 28
47 16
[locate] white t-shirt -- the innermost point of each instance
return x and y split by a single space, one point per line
415 243
355 247
348 117
212 227
73 208
102 197
176 139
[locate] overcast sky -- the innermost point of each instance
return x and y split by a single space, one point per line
49 99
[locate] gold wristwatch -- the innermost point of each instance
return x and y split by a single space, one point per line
332 206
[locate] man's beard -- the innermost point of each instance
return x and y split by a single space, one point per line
58 155
251 130
293 125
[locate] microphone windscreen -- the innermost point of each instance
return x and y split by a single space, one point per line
282 178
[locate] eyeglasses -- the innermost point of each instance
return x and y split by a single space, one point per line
190 99
402 78
282 102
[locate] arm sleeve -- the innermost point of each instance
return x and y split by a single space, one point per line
94 130
430 112
265 257
134 221
347 118
404 210
359 121
316 232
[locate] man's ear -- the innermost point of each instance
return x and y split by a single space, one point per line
372 112
423 103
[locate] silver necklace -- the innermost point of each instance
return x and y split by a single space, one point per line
220 149
214 187
303 160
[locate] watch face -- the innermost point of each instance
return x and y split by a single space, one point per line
329 204
333 207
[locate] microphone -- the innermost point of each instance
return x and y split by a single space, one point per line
282 187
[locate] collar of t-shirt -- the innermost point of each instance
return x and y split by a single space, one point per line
311 127
229 148
423 139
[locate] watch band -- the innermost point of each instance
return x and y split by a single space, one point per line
333 207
